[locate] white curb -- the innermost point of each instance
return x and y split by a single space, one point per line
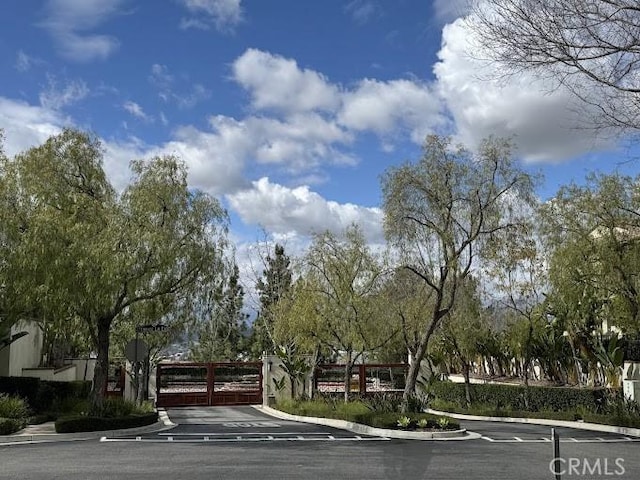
595 427
367 430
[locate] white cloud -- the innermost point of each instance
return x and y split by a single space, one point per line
55 98
300 211
164 81
362 11
540 118
224 15
136 110
275 82
163 119
26 125
383 107
449 10
68 22
25 62
190 99
161 77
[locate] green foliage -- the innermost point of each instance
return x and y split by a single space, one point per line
275 283
356 411
516 397
13 407
11 425
221 325
423 423
51 394
443 211
403 422
93 424
25 387
76 252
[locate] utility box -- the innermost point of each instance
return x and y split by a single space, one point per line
631 381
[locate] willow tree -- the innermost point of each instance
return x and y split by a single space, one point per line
81 250
339 291
441 211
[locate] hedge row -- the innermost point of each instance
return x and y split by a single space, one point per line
95 424
517 397
41 395
11 425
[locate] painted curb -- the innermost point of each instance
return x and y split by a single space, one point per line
595 427
367 430
163 423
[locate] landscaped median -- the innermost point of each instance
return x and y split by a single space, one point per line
357 418
585 408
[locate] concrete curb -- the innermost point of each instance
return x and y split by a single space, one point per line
367 430
595 427
163 423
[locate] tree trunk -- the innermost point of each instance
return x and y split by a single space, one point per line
101 372
467 382
347 376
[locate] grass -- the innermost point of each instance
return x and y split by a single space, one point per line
359 412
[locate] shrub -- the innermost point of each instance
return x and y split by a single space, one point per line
94 424
517 397
25 387
11 425
51 394
13 407
359 412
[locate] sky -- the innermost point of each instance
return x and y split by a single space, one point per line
288 111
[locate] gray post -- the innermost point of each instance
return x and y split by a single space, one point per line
555 439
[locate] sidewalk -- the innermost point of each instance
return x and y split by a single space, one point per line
46 432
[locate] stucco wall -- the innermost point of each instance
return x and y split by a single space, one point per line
24 352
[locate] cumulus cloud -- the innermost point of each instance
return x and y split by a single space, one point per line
290 211
27 125
541 118
383 107
275 82
449 10
224 15
69 21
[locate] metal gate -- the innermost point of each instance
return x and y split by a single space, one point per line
208 384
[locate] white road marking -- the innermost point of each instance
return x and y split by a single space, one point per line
562 440
239 439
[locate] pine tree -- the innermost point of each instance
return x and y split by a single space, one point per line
275 282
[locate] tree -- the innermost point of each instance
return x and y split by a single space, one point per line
461 330
343 279
518 270
221 320
441 212
592 47
81 250
274 284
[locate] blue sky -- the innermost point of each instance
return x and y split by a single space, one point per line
286 110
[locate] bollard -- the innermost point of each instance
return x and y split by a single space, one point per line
555 439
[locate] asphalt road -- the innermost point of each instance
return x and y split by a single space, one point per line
241 443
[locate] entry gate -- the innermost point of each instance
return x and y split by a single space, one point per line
208 384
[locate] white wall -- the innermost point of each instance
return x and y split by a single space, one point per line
24 352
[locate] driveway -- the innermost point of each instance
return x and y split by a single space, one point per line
240 424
